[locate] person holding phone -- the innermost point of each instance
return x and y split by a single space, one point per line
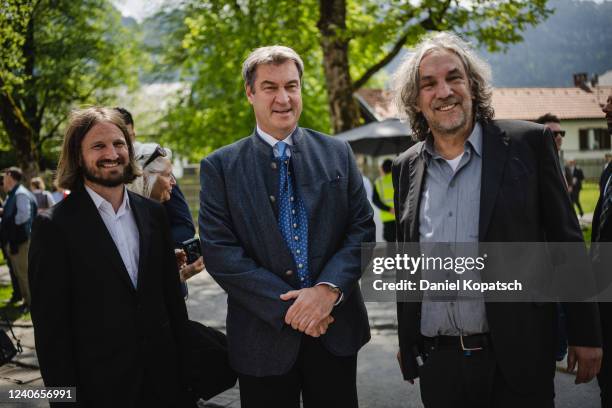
156 183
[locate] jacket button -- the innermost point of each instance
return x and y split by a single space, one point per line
272 198
289 272
273 165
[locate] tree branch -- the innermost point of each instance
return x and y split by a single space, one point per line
380 64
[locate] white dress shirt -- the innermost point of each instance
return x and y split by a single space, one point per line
272 141
122 228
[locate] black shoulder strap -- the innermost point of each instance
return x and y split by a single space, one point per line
10 326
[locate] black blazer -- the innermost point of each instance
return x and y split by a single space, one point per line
93 330
522 199
606 234
601 259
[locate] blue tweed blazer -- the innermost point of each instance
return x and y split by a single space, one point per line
245 253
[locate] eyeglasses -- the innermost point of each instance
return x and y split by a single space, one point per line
158 152
559 133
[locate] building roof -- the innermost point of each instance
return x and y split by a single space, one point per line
518 103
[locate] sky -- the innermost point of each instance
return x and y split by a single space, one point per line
139 9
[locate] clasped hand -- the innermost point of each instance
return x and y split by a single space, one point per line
310 313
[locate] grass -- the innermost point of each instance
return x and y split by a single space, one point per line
11 311
589 196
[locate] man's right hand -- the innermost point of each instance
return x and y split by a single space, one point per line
318 329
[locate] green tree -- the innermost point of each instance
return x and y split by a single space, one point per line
344 44
56 54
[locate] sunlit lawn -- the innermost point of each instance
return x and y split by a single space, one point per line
6 291
588 200
589 196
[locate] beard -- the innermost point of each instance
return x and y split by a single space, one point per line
113 180
453 125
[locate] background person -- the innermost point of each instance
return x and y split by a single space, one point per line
44 199
553 123
576 177
157 182
58 193
383 199
17 217
602 232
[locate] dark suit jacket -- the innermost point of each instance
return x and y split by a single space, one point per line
179 216
606 234
602 259
522 199
246 254
93 329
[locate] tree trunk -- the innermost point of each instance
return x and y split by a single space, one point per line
20 136
18 123
334 42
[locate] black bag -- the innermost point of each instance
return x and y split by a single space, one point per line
206 364
7 349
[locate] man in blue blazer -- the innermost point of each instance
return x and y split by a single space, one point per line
283 215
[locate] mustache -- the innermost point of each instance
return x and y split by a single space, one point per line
448 101
108 161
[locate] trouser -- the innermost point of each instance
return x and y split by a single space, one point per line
575 196
605 386
604 378
16 296
324 380
20 266
561 333
389 232
452 379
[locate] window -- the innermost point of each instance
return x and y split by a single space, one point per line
594 139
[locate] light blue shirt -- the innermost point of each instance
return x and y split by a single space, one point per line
449 212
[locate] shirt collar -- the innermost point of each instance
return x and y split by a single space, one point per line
475 141
272 141
102 204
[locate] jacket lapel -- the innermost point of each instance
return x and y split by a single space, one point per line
495 147
413 201
142 217
256 195
92 225
302 176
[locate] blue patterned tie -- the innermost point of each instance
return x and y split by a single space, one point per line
292 217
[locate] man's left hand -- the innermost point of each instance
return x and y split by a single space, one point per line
311 305
588 360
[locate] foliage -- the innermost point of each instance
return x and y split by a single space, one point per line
56 55
215 36
210 45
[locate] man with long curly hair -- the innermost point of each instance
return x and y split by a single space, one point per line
473 179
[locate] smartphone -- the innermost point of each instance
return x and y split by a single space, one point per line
192 249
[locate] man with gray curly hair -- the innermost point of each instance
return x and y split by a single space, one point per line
474 179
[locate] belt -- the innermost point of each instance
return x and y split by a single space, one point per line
467 344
